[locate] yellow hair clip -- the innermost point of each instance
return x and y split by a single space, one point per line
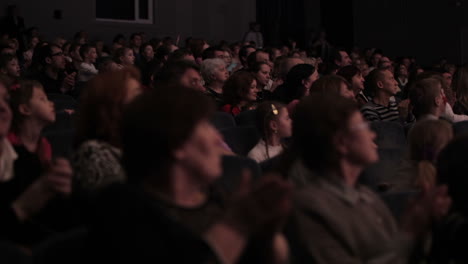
274 110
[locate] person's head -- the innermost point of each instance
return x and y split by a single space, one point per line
385 63
49 56
299 80
258 56
272 119
29 102
9 66
214 70
332 85
166 129
353 76
88 53
120 39
381 81
33 41
135 40
147 51
262 72
5 111
181 54
213 52
124 56
427 138
402 71
460 84
426 97
375 59
184 73
244 52
285 65
75 52
240 88
341 58
330 130
107 65
103 102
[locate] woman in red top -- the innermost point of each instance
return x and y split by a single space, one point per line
239 92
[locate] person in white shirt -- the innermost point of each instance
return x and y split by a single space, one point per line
87 70
274 125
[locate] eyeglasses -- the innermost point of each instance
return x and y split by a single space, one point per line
57 54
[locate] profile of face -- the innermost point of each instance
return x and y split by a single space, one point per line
201 153
252 92
5 111
39 107
227 57
136 42
12 69
92 55
448 78
388 84
357 83
375 59
282 124
345 60
263 76
192 79
357 142
221 74
128 58
262 57
133 89
403 71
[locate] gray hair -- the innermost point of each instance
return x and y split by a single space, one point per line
209 67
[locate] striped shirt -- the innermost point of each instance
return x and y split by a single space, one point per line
376 112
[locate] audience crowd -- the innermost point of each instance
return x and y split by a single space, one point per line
148 150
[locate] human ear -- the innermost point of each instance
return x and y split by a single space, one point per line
24 109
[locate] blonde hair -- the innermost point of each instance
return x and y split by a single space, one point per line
427 138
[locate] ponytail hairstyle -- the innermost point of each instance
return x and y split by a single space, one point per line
265 113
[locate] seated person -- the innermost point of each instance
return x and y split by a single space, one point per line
274 125
239 93
171 210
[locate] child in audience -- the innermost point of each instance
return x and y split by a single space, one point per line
274 125
26 186
32 112
10 67
124 57
87 70
97 158
239 92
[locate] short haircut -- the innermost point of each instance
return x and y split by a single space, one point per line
209 67
348 72
422 95
157 124
328 85
317 119
84 49
209 53
5 59
134 35
179 54
370 84
172 72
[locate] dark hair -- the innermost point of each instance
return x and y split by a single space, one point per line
243 52
237 86
295 89
155 125
161 52
172 72
252 58
452 166
101 106
134 35
257 66
179 54
119 53
422 95
317 119
209 53
5 59
41 52
85 49
264 113
21 95
370 85
118 38
348 72
328 85
336 55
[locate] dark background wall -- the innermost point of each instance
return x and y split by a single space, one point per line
209 19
